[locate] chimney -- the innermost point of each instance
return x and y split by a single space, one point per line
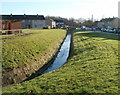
24 15
11 15
37 15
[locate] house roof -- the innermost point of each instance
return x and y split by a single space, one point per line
22 17
57 20
107 19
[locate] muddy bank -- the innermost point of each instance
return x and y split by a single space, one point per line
22 73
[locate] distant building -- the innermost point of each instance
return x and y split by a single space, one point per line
116 23
50 22
59 23
109 23
33 21
9 22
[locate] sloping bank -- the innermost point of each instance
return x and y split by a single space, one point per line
23 56
93 68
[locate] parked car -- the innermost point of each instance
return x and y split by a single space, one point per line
110 30
118 31
103 29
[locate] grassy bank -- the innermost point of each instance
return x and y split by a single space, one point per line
24 50
25 32
92 69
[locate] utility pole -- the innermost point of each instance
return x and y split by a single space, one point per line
92 18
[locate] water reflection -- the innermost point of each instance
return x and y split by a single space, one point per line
62 55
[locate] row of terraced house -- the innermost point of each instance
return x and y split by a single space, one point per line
11 22
110 23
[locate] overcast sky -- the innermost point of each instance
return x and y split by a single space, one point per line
63 8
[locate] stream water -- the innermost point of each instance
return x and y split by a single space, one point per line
61 56
60 59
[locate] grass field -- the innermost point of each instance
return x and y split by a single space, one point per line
24 50
24 33
92 69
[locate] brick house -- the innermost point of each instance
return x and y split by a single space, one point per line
10 24
22 22
1 25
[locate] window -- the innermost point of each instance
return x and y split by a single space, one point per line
35 26
23 20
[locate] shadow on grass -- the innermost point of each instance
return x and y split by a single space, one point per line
99 35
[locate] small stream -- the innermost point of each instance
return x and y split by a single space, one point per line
62 55
59 60
56 62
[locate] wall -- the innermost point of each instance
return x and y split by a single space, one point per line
38 24
16 25
115 23
26 24
10 24
50 22
100 24
53 24
1 27
35 24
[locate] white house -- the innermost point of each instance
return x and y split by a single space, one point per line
109 23
50 22
33 21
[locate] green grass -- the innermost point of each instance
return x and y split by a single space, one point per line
92 69
20 51
12 36
24 33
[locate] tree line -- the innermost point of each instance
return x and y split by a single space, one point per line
74 22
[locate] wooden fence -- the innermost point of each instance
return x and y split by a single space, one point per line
7 32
